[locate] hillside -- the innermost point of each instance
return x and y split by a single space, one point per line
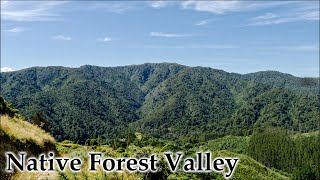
161 99
18 135
281 155
277 79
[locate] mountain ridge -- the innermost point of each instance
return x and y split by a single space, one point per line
67 67
92 101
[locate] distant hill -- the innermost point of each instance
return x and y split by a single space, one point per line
166 100
277 79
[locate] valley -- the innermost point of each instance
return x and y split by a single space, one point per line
270 120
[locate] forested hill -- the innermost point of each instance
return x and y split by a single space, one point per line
277 79
165 100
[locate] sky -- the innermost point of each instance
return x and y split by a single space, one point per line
235 36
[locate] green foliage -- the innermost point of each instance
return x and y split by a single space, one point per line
163 100
91 142
39 121
255 111
277 148
268 145
281 80
6 108
67 146
237 144
248 168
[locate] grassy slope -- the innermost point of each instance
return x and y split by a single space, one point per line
20 130
18 135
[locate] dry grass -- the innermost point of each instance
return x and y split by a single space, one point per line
35 175
21 130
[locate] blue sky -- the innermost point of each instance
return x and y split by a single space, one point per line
236 36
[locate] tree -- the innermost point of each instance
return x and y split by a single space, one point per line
40 121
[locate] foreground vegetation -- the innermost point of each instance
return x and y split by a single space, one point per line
17 135
270 153
247 169
263 165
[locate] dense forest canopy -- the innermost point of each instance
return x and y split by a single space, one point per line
190 104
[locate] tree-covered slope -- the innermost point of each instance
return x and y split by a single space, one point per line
189 100
277 79
166 100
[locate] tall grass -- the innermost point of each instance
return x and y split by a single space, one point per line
18 129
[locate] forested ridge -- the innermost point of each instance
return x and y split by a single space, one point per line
172 101
266 117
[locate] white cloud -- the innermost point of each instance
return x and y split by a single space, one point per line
160 4
265 16
203 22
105 39
6 69
298 11
284 18
113 7
218 7
167 35
30 10
61 37
16 30
308 10
313 15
